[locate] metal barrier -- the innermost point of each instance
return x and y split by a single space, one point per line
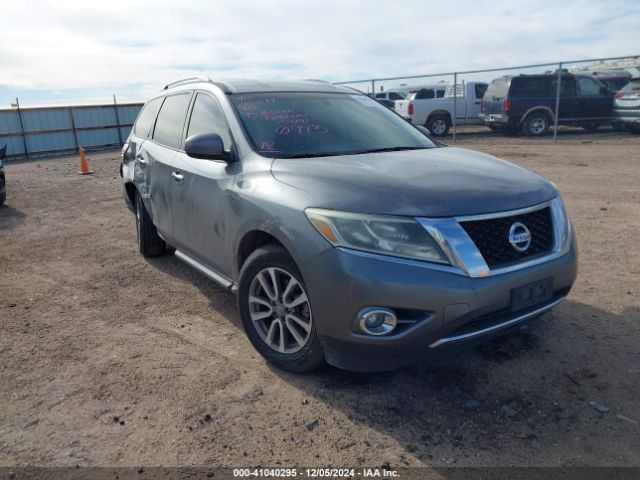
38 132
554 100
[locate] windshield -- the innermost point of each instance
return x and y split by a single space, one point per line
323 124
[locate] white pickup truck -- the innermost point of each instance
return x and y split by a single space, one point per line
437 113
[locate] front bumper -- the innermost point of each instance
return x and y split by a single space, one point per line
455 311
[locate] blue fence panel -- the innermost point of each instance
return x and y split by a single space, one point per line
128 113
94 116
15 145
9 122
38 120
53 130
98 138
50 142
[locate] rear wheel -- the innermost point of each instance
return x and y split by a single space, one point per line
438 125
276 311
149 242
536 124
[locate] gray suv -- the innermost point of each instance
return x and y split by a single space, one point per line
348 235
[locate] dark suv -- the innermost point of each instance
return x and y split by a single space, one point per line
528 103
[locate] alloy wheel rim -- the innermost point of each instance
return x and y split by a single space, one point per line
538 125
438 127
280 310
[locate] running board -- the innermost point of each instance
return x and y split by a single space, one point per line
207 272
492 328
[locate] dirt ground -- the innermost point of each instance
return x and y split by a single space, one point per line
111 359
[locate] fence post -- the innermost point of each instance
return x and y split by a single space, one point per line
373 88
73 129
455 104
115 108
24 138
557 114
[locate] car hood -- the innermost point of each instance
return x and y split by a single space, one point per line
435 182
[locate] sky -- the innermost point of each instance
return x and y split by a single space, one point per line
66 52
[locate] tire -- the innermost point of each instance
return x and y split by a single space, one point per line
591 127
536 124
438 125
149 242
268 320
3 195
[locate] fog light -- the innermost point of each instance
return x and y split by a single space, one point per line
377 321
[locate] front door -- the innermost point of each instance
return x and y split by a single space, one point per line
200 193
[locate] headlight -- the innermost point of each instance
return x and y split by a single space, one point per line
562 226
386 235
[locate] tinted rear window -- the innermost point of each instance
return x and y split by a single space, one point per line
530 87
424 93
170 121
632 87
147 117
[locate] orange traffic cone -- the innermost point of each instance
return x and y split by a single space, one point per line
84 165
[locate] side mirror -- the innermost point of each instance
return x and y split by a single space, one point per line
207 146
424 130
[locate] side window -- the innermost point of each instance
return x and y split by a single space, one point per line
381 95
147 117
588 86
425 93
395 96
170 121
440 94
567 87
207 117
480 89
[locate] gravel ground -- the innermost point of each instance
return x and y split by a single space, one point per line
111 359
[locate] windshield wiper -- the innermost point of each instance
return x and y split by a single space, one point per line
388 149
312 155
352 152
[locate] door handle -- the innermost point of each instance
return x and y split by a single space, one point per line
177 176
141 160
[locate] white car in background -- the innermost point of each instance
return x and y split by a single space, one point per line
391 95
437 114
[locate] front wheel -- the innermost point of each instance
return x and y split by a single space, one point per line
438 125
536 124
276 311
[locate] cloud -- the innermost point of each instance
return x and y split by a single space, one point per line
133 47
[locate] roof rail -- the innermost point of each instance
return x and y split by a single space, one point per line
188 80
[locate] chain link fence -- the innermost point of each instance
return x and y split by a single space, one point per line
552 100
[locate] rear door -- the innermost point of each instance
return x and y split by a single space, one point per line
159 153
593 103
200 194
134 151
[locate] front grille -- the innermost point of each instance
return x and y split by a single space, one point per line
491 236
